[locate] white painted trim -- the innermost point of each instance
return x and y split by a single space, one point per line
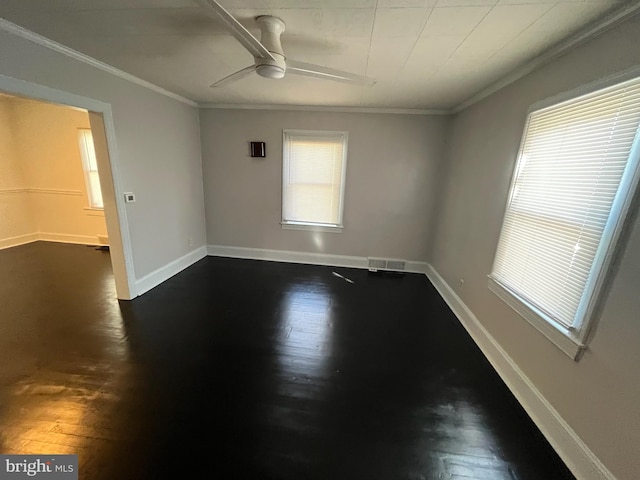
415 267
54 191
583 36
163 274
308 258
311 227
582 462
103 239
560 336
68 238
18 240
92 212
579 38
287 256
33 37
16 86
50 191
120 208
321 108
12 191
125 281
50 237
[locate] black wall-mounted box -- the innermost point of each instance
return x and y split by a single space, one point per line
258 149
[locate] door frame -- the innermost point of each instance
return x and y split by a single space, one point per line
114 205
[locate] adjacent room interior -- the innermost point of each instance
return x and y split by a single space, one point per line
50 183
360 239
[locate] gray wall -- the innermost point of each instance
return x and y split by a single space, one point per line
392 171
158 148
599 396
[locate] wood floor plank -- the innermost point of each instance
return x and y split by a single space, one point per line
251 369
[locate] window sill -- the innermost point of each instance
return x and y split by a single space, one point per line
312 227
562 337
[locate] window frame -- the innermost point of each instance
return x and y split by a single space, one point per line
314 226
87 171
573 340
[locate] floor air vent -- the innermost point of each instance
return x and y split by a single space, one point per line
385 264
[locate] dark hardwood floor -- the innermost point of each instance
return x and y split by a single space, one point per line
240 369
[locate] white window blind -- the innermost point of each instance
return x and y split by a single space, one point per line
314 166
572 172
90 166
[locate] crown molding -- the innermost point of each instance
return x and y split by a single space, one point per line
318 108
17 30
582 36
591 31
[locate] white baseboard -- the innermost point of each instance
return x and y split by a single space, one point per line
68 238
18 240
574 452
162 274
303 257
49 237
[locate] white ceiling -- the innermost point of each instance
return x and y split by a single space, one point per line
423 53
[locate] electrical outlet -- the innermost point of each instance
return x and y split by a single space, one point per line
129 197
190 242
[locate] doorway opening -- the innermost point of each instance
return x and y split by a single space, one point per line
59 177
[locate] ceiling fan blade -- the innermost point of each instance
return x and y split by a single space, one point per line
244 36
246 71
311 70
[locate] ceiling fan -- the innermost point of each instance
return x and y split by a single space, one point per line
269 58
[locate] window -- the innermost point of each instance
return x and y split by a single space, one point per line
575 176
314 165
90 166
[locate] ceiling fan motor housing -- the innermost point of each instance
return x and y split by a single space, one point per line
271 68
269 60
271 29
